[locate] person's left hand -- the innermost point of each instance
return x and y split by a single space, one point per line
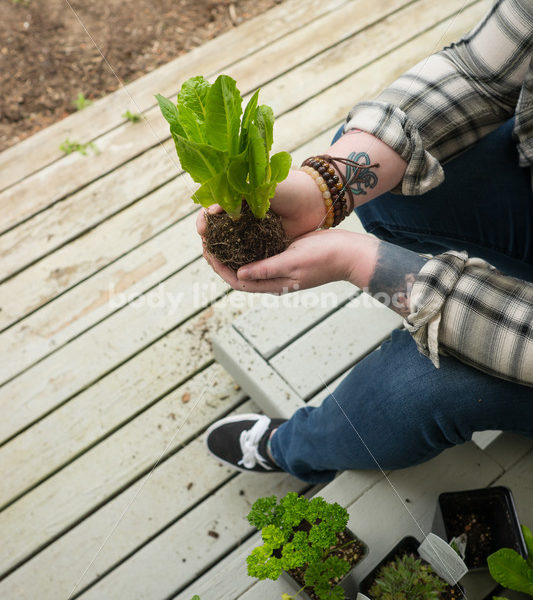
311 260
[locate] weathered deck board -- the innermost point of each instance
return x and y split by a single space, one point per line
157 570
96 298
105 114
109 403
95 477
104 347
145 509
519 478
357 328
77 261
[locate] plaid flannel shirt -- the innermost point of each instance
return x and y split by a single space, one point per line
432 113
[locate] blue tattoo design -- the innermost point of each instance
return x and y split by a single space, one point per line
363 176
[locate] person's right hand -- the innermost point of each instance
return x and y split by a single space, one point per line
299 203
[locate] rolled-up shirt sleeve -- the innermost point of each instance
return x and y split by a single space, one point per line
466 308
450 100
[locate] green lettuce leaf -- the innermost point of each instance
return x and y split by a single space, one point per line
168 109
264 119
228 156
249 114
280 164
223 115
201 161
193 95
177 130
238 173
194 128
218 191
257 156
528 538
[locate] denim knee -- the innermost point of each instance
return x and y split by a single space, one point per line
394 410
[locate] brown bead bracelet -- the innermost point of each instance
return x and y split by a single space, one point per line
330 187
333 184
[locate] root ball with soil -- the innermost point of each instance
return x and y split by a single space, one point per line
237 243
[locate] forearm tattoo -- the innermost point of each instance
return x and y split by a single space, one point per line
394 276
366 178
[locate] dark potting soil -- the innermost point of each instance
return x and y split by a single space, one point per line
488 518
479 537
237 243
353 553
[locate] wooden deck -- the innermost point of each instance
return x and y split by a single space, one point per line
107 311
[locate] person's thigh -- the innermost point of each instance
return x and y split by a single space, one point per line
395 410
484 206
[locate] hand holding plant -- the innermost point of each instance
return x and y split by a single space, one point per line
230 158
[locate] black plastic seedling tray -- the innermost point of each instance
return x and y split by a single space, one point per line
407 545
490 518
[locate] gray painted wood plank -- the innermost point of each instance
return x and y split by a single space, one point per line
255 376
176 488
116 462
157 570
110 289
280 319
104 347
111 402
334 344
519 478
508 448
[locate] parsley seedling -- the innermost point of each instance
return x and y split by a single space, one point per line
296 533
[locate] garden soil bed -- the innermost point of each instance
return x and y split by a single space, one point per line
47 59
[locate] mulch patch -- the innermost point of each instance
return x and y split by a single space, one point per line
47 59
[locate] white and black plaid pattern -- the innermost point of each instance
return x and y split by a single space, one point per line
450 100
466 308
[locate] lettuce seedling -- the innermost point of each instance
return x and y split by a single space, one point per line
228 155
296 533
510 569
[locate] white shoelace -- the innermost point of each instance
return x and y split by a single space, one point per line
249 441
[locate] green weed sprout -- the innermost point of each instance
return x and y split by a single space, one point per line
131 117
69 147
81 102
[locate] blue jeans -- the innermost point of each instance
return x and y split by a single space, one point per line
395 409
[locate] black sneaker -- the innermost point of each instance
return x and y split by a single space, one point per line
240 441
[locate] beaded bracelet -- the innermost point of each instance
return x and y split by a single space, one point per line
333 184
331 187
